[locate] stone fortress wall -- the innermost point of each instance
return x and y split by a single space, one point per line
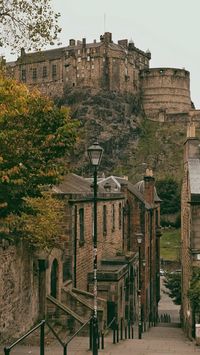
119 67
165 89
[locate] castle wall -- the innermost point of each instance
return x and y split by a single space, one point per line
98 65
166 89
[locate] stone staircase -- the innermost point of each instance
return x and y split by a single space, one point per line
72 312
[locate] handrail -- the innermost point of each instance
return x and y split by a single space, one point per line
65 309
42 324
55 334
8 348
73 336
108 326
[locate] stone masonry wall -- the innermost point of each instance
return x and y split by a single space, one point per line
18 291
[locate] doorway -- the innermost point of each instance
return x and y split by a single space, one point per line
54 278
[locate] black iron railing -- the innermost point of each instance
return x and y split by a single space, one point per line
41 325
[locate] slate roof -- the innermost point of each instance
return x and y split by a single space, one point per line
140 187
194 176
73 183
132 188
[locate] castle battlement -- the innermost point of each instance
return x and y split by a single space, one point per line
103 64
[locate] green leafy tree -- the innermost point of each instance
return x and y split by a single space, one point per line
28 24
172 282
169 191
35 139
194 290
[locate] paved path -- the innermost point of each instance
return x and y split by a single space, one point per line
158 340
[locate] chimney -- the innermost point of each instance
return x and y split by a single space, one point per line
124 187
149 185
22 52
192 144
107 37
84 43
72 42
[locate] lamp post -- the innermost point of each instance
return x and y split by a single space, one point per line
95 154
139 241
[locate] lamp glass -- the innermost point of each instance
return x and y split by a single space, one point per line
139 238
95 154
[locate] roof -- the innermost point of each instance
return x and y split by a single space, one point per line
140 186
194 176
118 181
73 183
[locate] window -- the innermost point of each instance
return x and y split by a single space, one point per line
120 215
54 70
34 73
81 226
79 59
104 220
44 72
23 75
113 218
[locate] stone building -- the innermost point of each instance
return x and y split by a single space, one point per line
99 65
61 283
190 218
103 64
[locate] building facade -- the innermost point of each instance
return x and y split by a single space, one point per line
190 218
61 282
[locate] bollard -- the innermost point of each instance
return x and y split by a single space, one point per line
129 329
132 332
98 340
102 341
42 338
90 337
125 332
65 350
117 333
121 330
114 338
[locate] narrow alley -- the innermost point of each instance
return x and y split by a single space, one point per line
164 339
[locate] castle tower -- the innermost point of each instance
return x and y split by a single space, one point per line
165 89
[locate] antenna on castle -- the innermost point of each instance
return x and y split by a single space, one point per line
104 22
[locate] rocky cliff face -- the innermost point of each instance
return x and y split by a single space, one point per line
131 142
112 120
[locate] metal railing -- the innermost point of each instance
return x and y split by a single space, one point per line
123 331
41 325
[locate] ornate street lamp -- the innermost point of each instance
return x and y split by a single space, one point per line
95 153
139 241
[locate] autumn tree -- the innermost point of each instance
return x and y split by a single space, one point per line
28 24
35 140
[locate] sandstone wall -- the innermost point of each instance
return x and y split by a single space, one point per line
19 291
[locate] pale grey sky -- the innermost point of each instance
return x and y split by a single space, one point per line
168 28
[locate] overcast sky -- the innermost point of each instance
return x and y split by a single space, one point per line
170 29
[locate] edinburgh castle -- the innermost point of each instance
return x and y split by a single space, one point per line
118 67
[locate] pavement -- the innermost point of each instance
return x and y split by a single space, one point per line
164 339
